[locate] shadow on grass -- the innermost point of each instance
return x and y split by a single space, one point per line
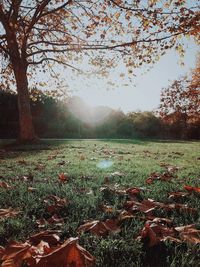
147 141
125 141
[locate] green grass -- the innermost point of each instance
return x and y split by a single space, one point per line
135 158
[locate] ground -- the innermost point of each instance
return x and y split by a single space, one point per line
92 176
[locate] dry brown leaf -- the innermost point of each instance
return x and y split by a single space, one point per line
100 228
135 206
106 208
32 189
177 195
82 157
166 176
67 254
5 185
56 220
2 251
154 232
51 237
15 253
54 203
189 233
119 174
5 213
22 162
39 167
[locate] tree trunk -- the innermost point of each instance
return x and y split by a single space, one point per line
26 132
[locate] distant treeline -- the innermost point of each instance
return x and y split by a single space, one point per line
74 119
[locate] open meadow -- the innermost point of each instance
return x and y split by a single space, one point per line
108 193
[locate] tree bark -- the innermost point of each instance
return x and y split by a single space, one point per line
26 128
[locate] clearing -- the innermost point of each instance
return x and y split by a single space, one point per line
61 184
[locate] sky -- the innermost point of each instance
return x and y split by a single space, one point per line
144 93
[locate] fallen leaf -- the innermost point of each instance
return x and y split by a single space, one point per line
166 176
63 177
5 185
22 162
192 189
68 254
15 253
2 251
106 208
100 228
39 167
5 213
154 232
82 157
54 203
49 236
119 174
177 195
27 178
135 206
188 233
56 220
32 189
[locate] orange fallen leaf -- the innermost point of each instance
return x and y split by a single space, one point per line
100 228
192 189
15 253
133 191
68 254
63 177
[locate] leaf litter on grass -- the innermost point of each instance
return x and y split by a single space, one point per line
45 248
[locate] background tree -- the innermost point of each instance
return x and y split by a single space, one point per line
145 124
195 81
180 105
50 32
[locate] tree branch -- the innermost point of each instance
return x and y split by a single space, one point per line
54 60
104 47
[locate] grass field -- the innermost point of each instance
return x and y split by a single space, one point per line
94 173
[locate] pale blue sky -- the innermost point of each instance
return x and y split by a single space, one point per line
144 94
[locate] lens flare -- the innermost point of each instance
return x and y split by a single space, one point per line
104 164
